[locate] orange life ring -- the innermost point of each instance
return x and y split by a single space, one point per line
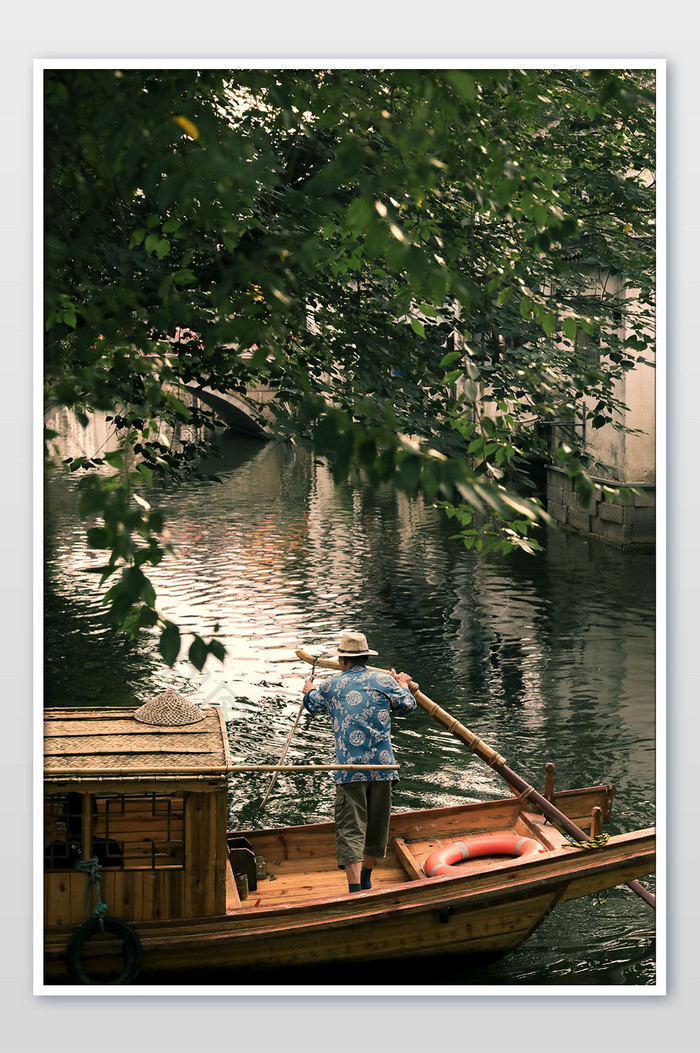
441 861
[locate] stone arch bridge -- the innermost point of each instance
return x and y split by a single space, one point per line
249 413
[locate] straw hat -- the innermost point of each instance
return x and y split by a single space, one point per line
353 645
169 710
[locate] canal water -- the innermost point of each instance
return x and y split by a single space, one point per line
547 658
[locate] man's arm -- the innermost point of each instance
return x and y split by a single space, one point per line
402 701
313 699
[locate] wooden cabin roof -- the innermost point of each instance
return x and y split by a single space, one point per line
109 743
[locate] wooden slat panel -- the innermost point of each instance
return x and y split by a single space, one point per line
64 898
124 830
406 857
132 893
164 893
137 893
292 845
177 894
149 893
78 885
528 826
115 887
134 804
55 899
464 822
123 894
214 887
294 887
136 825
200 810
221 805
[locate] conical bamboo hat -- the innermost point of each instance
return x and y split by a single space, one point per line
169 710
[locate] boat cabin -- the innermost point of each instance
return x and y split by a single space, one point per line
148 800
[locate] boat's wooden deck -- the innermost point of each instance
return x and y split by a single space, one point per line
293 877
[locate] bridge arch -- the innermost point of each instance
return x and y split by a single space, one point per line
237 411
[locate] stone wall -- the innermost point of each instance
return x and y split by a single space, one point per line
625 522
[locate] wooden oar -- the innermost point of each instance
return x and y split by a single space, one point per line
493 759
283 755
313 661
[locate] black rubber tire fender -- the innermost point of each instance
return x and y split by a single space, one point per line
131 950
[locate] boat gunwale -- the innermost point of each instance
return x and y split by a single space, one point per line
604 790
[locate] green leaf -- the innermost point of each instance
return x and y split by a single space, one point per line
115 458
408 474
133 580
92 497
145 472
584 488
570 328
217 649
147 617
549 323
198 653
183 276
99 537
464 84
169 643
359 213
148 594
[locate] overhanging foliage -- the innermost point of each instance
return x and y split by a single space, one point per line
414 257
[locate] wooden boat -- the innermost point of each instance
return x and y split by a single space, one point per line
147 805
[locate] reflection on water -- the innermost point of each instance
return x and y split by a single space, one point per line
548 657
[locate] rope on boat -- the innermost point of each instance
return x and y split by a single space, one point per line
92 868
593 842
131 945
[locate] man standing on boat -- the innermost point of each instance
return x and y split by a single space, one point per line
360 702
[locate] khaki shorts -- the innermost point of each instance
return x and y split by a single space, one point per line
362 814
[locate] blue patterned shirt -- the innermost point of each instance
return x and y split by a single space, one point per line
360 702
